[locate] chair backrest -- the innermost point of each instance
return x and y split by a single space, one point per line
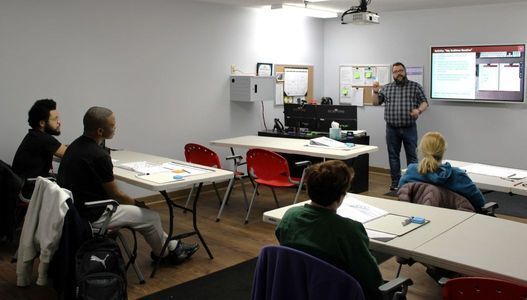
267 165
10 185
201 155
468 288
286 273
429 194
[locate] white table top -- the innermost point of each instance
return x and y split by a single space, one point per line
494 183
441 220
293 146
123 156
480 246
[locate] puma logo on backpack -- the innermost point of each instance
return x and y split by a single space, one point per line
100 270
102 261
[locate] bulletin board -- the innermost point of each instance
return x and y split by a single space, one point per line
282 85
355 82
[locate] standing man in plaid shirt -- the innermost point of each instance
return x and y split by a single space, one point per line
405 101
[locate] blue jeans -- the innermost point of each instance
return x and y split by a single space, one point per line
395 137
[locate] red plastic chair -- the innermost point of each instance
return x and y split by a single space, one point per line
468 288
201 155
270 169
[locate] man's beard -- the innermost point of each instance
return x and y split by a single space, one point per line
49 130
401 81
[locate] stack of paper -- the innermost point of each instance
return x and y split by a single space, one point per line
359 132
328 143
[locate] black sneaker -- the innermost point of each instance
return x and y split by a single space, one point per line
393 187
188 248
180 254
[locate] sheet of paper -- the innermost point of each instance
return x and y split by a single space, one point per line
488 79
415 74
358 77
327 142
142 167
380 236
358 210
346 75
495 171
384 75
510 77
357 96
295 81
279 98
183 170
161 178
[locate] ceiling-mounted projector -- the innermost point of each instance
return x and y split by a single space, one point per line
360 15
360 18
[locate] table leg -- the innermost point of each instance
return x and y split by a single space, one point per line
225 197
170 231
194 223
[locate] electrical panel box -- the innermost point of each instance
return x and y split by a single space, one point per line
253 88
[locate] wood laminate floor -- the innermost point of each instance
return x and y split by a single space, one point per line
230 240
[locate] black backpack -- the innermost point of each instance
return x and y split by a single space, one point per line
101 272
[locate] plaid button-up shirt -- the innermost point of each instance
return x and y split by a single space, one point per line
399 101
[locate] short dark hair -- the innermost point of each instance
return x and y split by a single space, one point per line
328 181
399 64
40 112
96 117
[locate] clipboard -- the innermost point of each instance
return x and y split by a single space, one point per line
392 224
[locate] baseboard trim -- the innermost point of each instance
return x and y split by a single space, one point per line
379 170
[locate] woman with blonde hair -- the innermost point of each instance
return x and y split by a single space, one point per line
431 170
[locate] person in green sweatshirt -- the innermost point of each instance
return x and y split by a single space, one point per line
317 229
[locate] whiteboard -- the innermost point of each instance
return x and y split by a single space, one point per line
295 81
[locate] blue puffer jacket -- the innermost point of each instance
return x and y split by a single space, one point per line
448 177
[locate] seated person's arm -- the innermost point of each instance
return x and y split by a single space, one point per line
468 189
60 151
114 192
369 274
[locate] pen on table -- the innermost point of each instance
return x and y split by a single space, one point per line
518 183
512 175
406 221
